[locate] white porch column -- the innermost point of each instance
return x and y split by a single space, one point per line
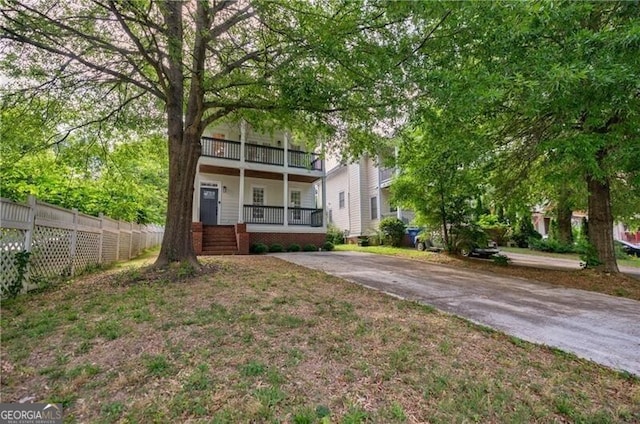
325 212
286 194
243 138
241 198
286 149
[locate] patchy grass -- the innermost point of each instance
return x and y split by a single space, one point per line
614 285
256 339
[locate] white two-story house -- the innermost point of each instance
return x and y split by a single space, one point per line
358 196
256 188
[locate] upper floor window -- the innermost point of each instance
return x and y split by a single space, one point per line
341 200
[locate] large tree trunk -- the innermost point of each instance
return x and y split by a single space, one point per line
184 150
601 224
563 215
177 244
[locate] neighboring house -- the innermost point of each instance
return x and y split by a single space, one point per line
542 217
256 188
622 232
358 196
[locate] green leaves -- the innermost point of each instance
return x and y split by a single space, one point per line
125 181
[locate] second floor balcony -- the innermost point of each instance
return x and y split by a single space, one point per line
385 175
255 153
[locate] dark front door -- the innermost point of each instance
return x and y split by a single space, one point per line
209 206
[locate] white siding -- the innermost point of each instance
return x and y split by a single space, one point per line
371 190
331 162
338 182
271 139
229 130
354 199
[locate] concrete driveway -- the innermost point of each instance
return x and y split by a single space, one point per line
594 326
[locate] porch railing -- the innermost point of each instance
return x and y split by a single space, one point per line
227 149
274 215
220 148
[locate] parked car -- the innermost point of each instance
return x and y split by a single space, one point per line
629 248
423 242
481 252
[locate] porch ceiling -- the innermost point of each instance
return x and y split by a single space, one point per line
302 178
221 170
211 169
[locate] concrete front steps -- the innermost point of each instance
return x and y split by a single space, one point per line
219 240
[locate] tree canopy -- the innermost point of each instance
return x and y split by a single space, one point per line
555 88
123 177
316 65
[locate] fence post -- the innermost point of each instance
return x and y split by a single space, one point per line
101 216
28 237
130 239
74 242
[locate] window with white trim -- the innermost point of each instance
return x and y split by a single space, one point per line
374 207
341 200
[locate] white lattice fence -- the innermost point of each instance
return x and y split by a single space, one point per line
109 246
87 250
64 242
12 240
50 251
124 247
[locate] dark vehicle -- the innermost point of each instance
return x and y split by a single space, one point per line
423 242
629 248
481 252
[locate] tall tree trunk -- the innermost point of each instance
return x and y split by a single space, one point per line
177 244
443 220
184 150
564 211
601 223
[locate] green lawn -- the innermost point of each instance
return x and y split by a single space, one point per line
256 339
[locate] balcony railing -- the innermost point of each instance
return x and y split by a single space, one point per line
386 174
227 149
274 215
264 154
306 160
219 148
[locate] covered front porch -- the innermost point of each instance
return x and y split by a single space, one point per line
256 206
